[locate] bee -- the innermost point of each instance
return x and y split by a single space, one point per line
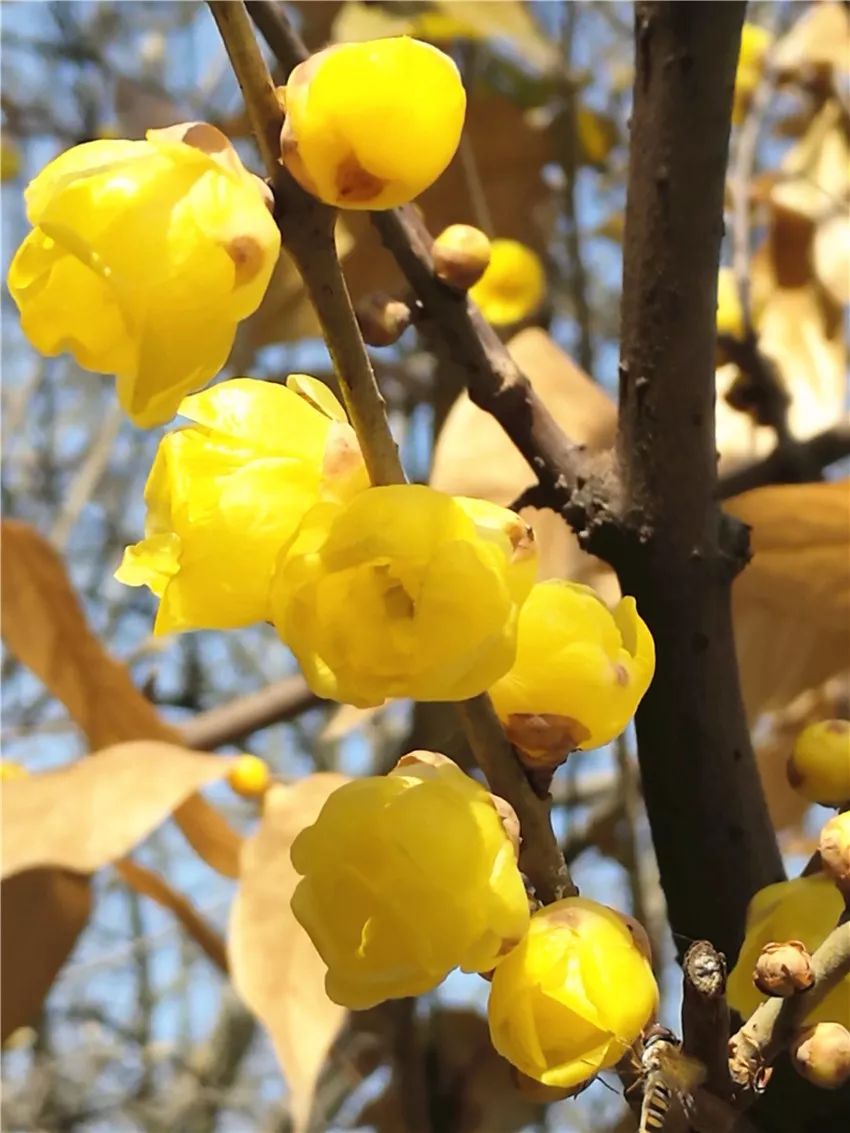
668 1076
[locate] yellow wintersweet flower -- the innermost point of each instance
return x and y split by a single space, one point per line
755 43
805 909
573 996
225 494
405 877
579 674
513 286
819 767
371 125
404 592
144 256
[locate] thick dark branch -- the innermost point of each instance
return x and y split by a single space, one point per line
713 838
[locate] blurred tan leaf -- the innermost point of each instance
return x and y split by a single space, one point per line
792 602
43 913
449 19
91 812
274 966
45 628
150 884
799 277
818 38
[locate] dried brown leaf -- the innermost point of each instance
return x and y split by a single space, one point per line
44 627
818 38
275 968
791 604
43 913
150 884
91 812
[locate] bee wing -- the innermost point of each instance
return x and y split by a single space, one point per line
683 1073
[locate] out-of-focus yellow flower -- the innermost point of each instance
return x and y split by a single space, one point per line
249 776
10 770
573 996
819 767
227 493
371 125
579 674
404 592
405 877
730 317
755 42
143 258
513 286
10 159
805 909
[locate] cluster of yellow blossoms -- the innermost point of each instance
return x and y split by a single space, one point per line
143 258
410 875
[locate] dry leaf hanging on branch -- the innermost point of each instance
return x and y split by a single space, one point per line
275 968
92 812
43 913
45 628
792 603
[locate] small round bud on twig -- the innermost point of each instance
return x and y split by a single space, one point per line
383 320
461 255
783 969
834 846
821 1054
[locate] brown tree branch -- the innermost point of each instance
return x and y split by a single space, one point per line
796 462
713 837
241 717
771 1027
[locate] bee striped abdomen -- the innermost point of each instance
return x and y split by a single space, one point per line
656 1104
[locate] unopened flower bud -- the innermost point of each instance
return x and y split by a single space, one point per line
383 320
783 969
461 255
249 776
371 125
834 846
819 767
821 1054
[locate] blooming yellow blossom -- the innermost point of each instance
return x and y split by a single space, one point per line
579 674
144 256
819 767
573 996
225 494
249 776
371 125
755 43
404 592
805 909
405 877
513 286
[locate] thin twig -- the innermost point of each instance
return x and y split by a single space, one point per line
229 723
772 1025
